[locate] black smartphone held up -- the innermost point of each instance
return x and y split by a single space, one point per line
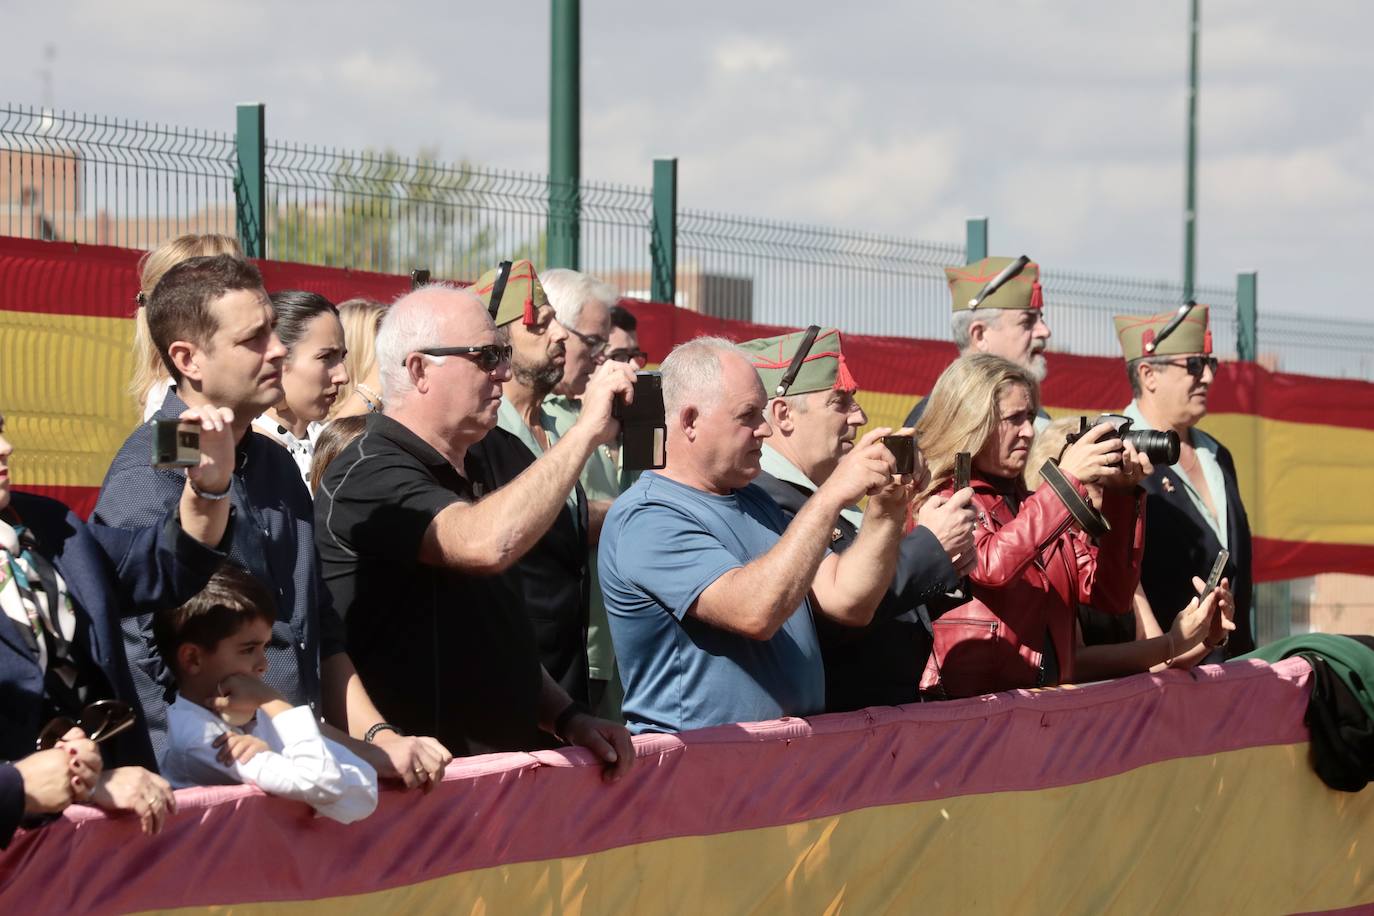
643 425
963 470
1214 579
903 449
175 444
418 277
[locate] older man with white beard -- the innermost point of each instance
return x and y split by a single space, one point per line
1008 322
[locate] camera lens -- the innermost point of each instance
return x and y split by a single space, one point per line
1159 447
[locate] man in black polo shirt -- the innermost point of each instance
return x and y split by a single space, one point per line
414 540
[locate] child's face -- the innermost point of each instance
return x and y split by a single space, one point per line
245 652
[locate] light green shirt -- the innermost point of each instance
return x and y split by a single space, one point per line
1205 447
601 480
784 470
509 419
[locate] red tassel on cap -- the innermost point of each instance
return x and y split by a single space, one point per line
1207 341
843 380
531 319
1037 297
1147 341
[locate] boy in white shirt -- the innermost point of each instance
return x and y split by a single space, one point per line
226 726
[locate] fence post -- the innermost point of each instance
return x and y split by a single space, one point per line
976 239
1247 316
250 179
565 135
663 237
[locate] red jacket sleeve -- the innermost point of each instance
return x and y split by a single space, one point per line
1003 554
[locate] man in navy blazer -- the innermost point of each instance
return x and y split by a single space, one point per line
108 573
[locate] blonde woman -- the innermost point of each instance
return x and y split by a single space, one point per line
1017 629
361 318
150 382
1115 646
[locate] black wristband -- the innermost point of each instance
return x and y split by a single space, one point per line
377 729
571 711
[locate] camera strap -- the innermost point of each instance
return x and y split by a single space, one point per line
1088 518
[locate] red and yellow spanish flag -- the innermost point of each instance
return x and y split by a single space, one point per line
1183 792
1302 445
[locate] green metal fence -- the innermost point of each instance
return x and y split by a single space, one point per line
111 181
115 181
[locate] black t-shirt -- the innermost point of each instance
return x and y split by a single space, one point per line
551 578
441 652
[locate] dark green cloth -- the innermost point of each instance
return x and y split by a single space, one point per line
1340 712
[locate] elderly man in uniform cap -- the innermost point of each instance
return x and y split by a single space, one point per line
444 539
814 420
710 593
1009 322
1193 507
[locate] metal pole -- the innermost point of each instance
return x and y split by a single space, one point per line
975 239
1247 316
250 179
565 135
663 237
1190 201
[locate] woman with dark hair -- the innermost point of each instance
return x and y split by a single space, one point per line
1032 571
64 587
311 375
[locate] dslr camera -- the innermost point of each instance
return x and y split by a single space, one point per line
1159 447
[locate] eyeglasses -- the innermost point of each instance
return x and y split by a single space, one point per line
1195 365
595 343
101 720
628 355
488 356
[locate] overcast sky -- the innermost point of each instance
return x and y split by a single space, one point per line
1063 121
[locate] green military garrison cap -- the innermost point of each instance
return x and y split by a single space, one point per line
1020 292
822 369
1137 331
521 296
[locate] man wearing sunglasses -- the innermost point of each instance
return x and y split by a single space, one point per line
1193 508
583 306
423 523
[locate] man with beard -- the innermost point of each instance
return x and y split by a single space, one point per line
1010 322
814 421
425 517
552 577
1193 508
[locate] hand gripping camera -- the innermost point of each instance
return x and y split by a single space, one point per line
1159 447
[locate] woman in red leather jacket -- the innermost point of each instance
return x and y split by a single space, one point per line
1017 629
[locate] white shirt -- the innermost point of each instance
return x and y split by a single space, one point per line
302 450
300 764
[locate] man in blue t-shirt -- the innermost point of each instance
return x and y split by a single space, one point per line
710 594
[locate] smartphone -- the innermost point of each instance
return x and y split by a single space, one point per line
643 425
418 277
903 449
175 444
963 470
1214 579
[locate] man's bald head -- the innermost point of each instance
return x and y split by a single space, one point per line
436 315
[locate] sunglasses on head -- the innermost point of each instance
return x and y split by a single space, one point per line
1195 365
627 355
101 720
487 356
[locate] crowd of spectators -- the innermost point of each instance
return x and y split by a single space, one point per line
411 535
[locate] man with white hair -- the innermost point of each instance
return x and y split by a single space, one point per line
710 593
1008 321
414 533
582 305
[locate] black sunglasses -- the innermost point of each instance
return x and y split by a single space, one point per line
101 720
488 356
627 355
1195 365
593 342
